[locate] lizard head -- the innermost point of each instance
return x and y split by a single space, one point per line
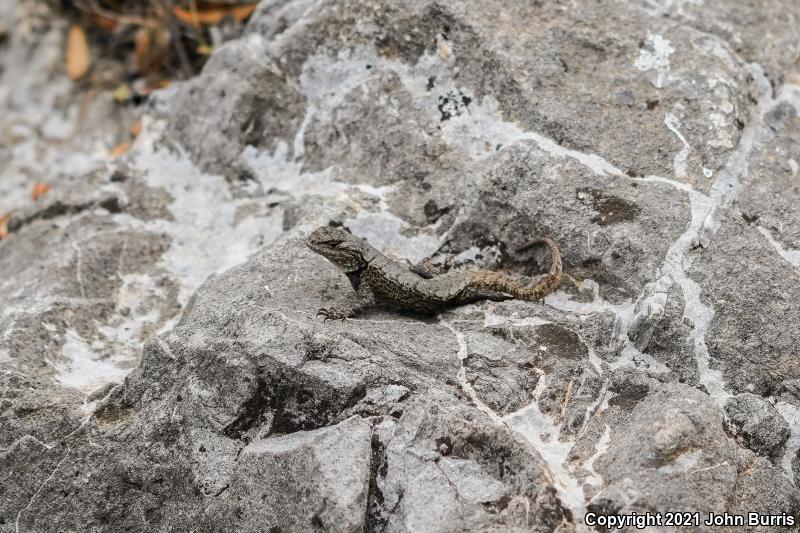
341 248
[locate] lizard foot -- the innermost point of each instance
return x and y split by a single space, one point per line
332 313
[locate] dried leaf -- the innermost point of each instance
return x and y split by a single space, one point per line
119 149
242 13
136 128
189 17
141 45
79 57
39 190
4 219
210 15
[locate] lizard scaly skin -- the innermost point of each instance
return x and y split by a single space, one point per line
376 279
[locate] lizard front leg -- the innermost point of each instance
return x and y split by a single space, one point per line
365 300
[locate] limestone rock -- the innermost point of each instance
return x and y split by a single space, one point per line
161 364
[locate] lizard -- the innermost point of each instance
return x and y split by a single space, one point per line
379 280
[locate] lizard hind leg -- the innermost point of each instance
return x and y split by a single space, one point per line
426 270
474 295
335 313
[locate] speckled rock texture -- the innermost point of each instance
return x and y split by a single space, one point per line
162 365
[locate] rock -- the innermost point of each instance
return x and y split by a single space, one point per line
442 468
87 310
673 435
162 362
658 329
36 409
766 201
768 492
326 472
751 321
760 427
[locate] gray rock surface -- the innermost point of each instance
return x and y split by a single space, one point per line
756 422
161 367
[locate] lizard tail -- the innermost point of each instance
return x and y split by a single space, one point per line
553 279
503 283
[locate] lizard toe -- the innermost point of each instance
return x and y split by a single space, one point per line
331 313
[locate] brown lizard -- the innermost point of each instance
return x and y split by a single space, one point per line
377 279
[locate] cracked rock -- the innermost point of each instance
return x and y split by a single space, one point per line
161 364
757 424
326 472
